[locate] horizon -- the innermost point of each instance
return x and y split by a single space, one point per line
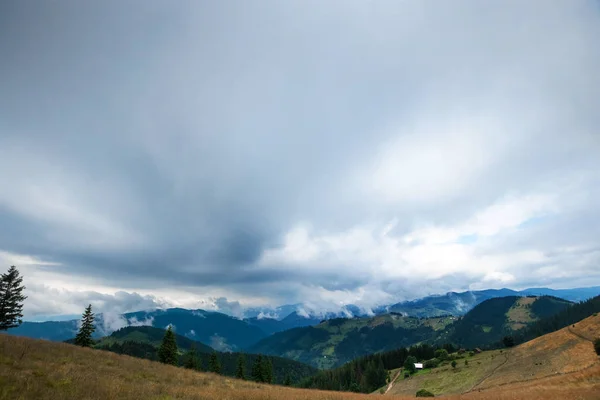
201 155
298 308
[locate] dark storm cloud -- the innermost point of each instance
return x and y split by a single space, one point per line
176 146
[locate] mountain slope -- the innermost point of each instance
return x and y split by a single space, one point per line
293 320
41 370
214 329
566 354
487 323
150 335
144 341
453 303
334 342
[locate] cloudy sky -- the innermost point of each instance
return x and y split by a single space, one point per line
228 154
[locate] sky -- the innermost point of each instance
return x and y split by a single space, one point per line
224 155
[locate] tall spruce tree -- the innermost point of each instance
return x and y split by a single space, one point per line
257 373
267 370
214 365
240 372
84 336
191 358
287 381
11 299
167 352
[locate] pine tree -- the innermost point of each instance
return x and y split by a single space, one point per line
191 358
287 381
167 352
84 336
11 299
257 373
240 372
267 370
213 363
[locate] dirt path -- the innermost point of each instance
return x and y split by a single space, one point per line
391 384
490 374
579 335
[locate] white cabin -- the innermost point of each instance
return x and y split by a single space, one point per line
419 365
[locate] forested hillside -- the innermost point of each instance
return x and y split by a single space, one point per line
144 341
486 324
334 342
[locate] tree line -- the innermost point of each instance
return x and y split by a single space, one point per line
253 367
368 373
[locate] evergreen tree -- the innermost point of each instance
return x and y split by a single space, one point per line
84 336
167 352
508 341
267 370
597 346
287 381
409 365
11 299
257 375
213 363
191 358
240 372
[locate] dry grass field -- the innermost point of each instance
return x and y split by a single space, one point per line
37 369
563 362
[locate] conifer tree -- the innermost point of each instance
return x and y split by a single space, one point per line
257 373
213 363
167 352
267 370
84 336
191 358
11 299
287 381
240 372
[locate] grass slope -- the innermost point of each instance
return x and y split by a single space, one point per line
566 356
337 341
42 370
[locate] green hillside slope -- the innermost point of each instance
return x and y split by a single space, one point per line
486 324
334 342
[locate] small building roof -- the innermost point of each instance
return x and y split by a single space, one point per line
419 365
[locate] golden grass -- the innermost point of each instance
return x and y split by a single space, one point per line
40 370
37 369
563 365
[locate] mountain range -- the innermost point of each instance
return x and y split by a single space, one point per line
226 333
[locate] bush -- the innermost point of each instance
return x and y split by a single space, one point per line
441 354
597 346
425 393
433 363
453 364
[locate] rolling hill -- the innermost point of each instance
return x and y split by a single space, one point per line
42 370
149 335
486 324
565 356
336 341
144 341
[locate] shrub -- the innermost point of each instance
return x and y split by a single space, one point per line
441 354
597 346
453 364
433 363
425 393
471 353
